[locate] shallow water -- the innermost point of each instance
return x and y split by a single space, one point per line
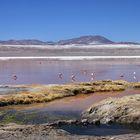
44 71
61 109
102 130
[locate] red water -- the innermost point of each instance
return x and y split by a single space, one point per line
82 102
75 103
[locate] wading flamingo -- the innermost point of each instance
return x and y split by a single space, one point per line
14 77
73 77
60 75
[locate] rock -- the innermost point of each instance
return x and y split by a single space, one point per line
125 110
63 122
84 121
96 122
108 120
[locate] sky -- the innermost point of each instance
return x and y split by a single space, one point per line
53 20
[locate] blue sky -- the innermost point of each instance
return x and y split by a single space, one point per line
118 20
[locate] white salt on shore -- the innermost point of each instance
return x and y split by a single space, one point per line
72 57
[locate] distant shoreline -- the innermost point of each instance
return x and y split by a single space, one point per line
76 51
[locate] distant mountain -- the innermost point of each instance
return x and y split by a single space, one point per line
129 43
86 40
83 40
23 42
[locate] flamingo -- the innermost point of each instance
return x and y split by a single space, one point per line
60 75
14 77
134 72
92 74
134 77
84 72
121 75
92 79
73 77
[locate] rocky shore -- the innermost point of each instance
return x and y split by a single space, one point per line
43 132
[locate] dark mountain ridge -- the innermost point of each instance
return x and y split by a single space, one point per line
83 40
86 40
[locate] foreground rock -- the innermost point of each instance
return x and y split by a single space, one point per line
125 110
45 132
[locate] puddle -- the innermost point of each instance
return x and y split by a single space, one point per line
102 130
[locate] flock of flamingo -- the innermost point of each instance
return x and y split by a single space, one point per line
92 76
73 76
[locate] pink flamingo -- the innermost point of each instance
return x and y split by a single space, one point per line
14 77
134 77
92 79
73 77
134 72
84 72
92 76
60 75
121 75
